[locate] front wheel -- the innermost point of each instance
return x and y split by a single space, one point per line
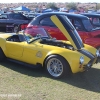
57 66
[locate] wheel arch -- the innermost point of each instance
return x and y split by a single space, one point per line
60 56
15 25
2 50
2 54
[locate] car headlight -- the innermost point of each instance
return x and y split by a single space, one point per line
97 53
81 60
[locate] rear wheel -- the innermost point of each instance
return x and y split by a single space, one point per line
15 29
2 56
57 66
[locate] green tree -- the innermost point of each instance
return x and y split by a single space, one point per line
72 5
52 5
97 6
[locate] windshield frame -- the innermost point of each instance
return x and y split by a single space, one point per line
29 38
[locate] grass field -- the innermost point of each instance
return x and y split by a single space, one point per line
18 82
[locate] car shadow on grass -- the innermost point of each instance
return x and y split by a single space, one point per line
24 69
87 80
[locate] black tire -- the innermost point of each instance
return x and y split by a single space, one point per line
15 29
59 66
2 56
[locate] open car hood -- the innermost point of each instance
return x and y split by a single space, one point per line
65 26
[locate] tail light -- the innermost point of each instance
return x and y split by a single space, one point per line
23 27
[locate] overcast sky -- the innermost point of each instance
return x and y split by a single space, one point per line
28 1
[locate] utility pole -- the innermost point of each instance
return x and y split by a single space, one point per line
96 6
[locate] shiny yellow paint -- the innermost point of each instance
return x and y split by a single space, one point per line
86 47
57 22
90 48
36 53
5 35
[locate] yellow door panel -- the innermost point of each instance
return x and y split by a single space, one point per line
31 53
14 49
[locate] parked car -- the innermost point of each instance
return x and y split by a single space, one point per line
82 23
31 15
58 57
94 18
9 21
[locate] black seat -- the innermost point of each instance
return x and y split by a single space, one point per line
21 38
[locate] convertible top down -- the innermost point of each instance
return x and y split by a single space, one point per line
57 56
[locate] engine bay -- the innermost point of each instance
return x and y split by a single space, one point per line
58 43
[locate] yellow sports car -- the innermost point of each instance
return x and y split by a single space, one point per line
40 49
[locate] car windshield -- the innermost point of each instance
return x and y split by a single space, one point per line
87 24
32 34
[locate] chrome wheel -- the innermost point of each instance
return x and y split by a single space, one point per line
55 67
15 29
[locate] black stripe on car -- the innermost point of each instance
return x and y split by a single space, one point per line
86 53
74 35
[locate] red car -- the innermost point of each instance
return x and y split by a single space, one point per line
82 23
94 18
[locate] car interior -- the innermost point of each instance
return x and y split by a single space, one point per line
16 38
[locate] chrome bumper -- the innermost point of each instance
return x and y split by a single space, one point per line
91 62
98 60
